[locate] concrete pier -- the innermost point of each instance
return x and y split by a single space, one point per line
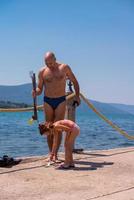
101 175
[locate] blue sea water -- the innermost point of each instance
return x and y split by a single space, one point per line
18 138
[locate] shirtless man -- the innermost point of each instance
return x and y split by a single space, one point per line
53 78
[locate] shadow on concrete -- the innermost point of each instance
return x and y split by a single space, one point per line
22 169
91 165
104 155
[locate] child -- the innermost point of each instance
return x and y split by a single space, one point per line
72 131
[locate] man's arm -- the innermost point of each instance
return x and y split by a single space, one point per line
39 87
40 84
72 78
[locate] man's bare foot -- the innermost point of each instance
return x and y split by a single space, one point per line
50 163
53 159
48 159
58 161
66 166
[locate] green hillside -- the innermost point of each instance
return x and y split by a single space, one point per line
20 96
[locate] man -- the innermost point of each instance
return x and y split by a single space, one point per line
53 78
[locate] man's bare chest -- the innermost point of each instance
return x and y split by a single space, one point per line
54 76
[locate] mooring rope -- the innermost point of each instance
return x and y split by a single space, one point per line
29 108
19 109
87 101
90 105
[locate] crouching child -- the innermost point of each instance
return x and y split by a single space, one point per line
71 129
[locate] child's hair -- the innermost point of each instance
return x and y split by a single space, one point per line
45 127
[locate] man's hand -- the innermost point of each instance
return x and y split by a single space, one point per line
34 93
41 128
78 100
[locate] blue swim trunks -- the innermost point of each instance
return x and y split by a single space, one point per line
54 102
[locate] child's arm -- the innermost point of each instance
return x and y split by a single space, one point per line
56 131
55 143
61 128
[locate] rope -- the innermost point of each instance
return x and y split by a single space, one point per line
19 109
29 108
130 137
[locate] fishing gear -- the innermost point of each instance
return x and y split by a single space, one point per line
35 115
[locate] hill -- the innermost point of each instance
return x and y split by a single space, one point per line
126 108
17 93
22 94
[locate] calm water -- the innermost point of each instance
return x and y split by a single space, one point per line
18 138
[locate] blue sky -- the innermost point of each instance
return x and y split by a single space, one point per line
94 37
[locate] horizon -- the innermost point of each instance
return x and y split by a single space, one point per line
86 96
94 38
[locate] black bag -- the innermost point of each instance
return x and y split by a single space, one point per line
7 161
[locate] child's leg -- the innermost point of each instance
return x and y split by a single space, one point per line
67 150
69 143
70 146
55 145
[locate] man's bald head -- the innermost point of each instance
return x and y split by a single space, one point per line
49 55
50 59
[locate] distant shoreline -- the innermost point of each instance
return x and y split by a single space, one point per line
9 104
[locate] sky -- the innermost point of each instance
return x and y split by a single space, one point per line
94 37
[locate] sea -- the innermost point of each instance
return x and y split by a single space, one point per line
19 139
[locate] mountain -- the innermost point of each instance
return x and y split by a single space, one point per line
18 94
22 94
126 108
104 108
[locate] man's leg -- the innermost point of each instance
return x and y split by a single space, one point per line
49 116
59 115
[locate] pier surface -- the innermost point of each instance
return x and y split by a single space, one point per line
99 175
